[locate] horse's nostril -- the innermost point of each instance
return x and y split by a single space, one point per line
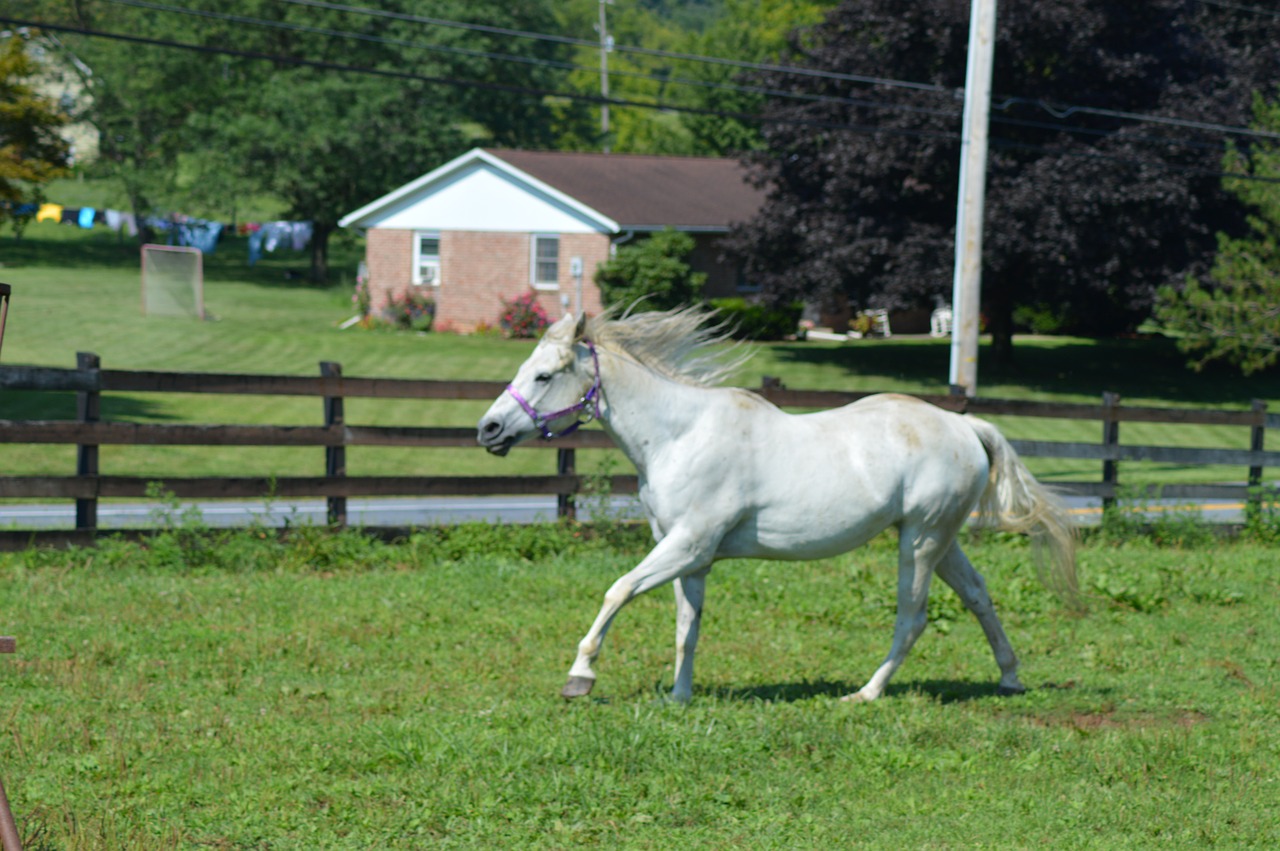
490 428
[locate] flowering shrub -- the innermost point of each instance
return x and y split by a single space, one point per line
362 298
523 317
411 311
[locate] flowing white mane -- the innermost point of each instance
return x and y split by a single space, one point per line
674 343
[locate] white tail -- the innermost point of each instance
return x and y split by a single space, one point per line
1015 502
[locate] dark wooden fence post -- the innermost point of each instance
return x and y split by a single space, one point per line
1257 443
566 465
1110 437
88 410
335 457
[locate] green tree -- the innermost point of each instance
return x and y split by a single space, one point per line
1235 316
31 151
749 31
652 274
256 103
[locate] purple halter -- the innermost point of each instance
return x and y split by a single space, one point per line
589 403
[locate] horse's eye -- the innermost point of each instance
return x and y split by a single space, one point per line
542 377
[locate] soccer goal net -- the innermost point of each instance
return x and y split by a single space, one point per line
172 281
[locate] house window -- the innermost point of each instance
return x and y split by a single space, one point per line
546 262
426 259
743 284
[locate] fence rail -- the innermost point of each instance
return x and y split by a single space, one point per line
88 432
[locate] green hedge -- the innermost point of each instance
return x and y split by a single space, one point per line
753 321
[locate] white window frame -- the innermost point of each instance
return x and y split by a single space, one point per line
534 241
418 279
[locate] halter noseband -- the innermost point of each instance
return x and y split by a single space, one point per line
588 404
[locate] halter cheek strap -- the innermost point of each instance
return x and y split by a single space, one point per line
587 408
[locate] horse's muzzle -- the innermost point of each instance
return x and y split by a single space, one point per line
490 435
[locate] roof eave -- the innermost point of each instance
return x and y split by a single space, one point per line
359 217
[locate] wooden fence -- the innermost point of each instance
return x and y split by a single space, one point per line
334 434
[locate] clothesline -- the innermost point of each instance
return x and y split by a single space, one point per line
181 229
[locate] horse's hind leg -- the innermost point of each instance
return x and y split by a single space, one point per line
917 553
956 570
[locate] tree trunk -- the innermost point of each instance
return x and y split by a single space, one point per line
320 252
1000 324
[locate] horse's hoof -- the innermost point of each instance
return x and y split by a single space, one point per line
856 697
1010 691
577 687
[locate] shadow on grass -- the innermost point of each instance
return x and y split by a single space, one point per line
1148 368
943 691
46 405
70 248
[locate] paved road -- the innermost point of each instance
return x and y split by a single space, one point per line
426 511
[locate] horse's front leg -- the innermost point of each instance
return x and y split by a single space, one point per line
690 591
676 555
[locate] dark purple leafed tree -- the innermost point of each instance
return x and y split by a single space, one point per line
1087 211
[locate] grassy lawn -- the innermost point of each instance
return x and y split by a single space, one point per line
79 291
330 692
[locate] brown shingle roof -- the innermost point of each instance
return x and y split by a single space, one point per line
644 192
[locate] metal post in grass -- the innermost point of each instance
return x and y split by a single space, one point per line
1257 443
5 290
1110 437
335 457
9 838
88 410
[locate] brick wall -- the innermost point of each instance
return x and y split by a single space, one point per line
389 256
478 270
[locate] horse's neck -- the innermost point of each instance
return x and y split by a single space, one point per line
643 410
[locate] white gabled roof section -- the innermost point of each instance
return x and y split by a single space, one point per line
480 192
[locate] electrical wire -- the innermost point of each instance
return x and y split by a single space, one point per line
452 81
532 91
707 84
1057 112
1238 8
622 48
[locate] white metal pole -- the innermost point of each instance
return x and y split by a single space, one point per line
605 45
967 282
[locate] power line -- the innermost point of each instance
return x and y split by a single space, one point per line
1095 155
452 81
527 60
1058 112
622 48
1238 8
531 91
1068 111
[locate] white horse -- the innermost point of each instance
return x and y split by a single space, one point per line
725 474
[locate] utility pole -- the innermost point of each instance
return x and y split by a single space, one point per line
966 296
606 44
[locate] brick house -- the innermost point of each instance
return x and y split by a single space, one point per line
493 224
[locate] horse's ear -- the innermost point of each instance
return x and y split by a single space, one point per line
581 328
561 330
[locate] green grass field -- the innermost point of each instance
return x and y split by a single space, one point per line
332 692
79 291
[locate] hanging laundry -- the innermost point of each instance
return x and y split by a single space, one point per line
200 234
85 219
49 213
275 233
70 216
255 245
113 219
301 235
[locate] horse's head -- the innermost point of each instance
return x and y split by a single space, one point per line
556 390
